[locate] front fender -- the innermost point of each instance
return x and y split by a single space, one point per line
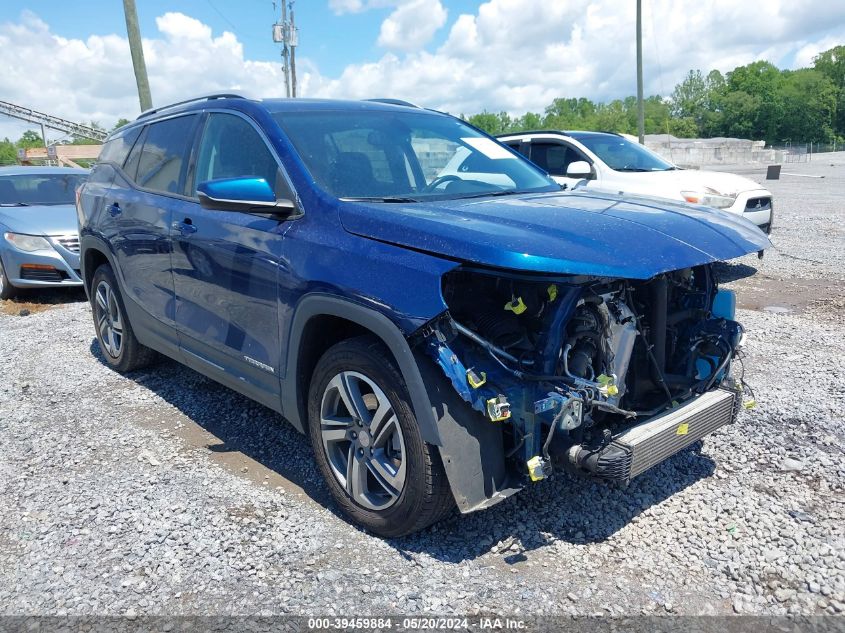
294 402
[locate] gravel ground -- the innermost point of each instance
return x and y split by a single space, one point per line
164 493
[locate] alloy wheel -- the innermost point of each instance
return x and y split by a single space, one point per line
109 319
362 440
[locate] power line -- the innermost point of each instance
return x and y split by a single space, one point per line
220 13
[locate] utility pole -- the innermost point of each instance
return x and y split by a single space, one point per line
640 107
294 42
140 67
285 33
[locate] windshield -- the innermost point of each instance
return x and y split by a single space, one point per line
39 189
405 156
621 154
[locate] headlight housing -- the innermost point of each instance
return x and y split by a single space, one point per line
709 198
28 243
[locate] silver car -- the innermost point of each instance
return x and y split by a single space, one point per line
39 237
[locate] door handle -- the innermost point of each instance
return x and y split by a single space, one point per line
114 209
186 226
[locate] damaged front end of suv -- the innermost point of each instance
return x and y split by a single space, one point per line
602 375
589 374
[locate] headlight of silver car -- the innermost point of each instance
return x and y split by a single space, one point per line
709 198
27 243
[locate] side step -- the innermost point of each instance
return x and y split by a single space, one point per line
653 441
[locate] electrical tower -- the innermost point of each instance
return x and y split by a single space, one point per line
286 34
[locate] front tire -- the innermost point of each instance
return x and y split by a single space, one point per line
118 345
367 442
7 290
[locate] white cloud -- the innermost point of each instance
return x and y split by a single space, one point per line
339 7
805 55
518 55
513 55
92 79
412 25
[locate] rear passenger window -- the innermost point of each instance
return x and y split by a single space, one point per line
231 148
163 156
116 149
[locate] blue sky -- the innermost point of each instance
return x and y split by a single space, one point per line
71 58
328 39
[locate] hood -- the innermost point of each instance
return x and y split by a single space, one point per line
58 219
567 233
692 180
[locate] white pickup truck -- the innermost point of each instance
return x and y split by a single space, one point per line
612 163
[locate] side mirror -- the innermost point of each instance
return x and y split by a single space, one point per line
579 169
242 194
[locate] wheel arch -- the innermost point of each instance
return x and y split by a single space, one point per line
319 322
94 254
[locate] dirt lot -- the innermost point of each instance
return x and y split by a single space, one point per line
164 493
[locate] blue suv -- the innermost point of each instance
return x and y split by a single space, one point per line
442 320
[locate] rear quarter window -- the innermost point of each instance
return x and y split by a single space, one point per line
163 157
117 148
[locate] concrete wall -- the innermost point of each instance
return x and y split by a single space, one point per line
689 152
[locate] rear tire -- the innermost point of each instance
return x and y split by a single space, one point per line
368 445
7 290
118 344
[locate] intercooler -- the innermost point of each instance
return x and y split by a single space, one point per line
651 442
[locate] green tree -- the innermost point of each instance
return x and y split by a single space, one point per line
831 63
487 121
8 152
740 114
120 123
809 106
684 127
609 117
691 98
529 121
570 113
30 139
761 83
84 140
712 120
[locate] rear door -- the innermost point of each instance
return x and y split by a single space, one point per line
142 203
555 157
225 266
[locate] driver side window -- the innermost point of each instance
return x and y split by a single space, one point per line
231 148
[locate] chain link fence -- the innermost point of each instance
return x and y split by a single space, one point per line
803 152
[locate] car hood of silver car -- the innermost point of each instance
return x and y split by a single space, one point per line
54 219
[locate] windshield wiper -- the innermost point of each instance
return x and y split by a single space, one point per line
13 204
380 199
501 192
638 169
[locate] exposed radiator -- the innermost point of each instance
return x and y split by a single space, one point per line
653 441
661 437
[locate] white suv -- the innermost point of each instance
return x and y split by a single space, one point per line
610 162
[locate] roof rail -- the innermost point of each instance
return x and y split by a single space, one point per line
561 132
206 97
398 102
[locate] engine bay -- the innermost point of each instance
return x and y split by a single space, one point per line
570 366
